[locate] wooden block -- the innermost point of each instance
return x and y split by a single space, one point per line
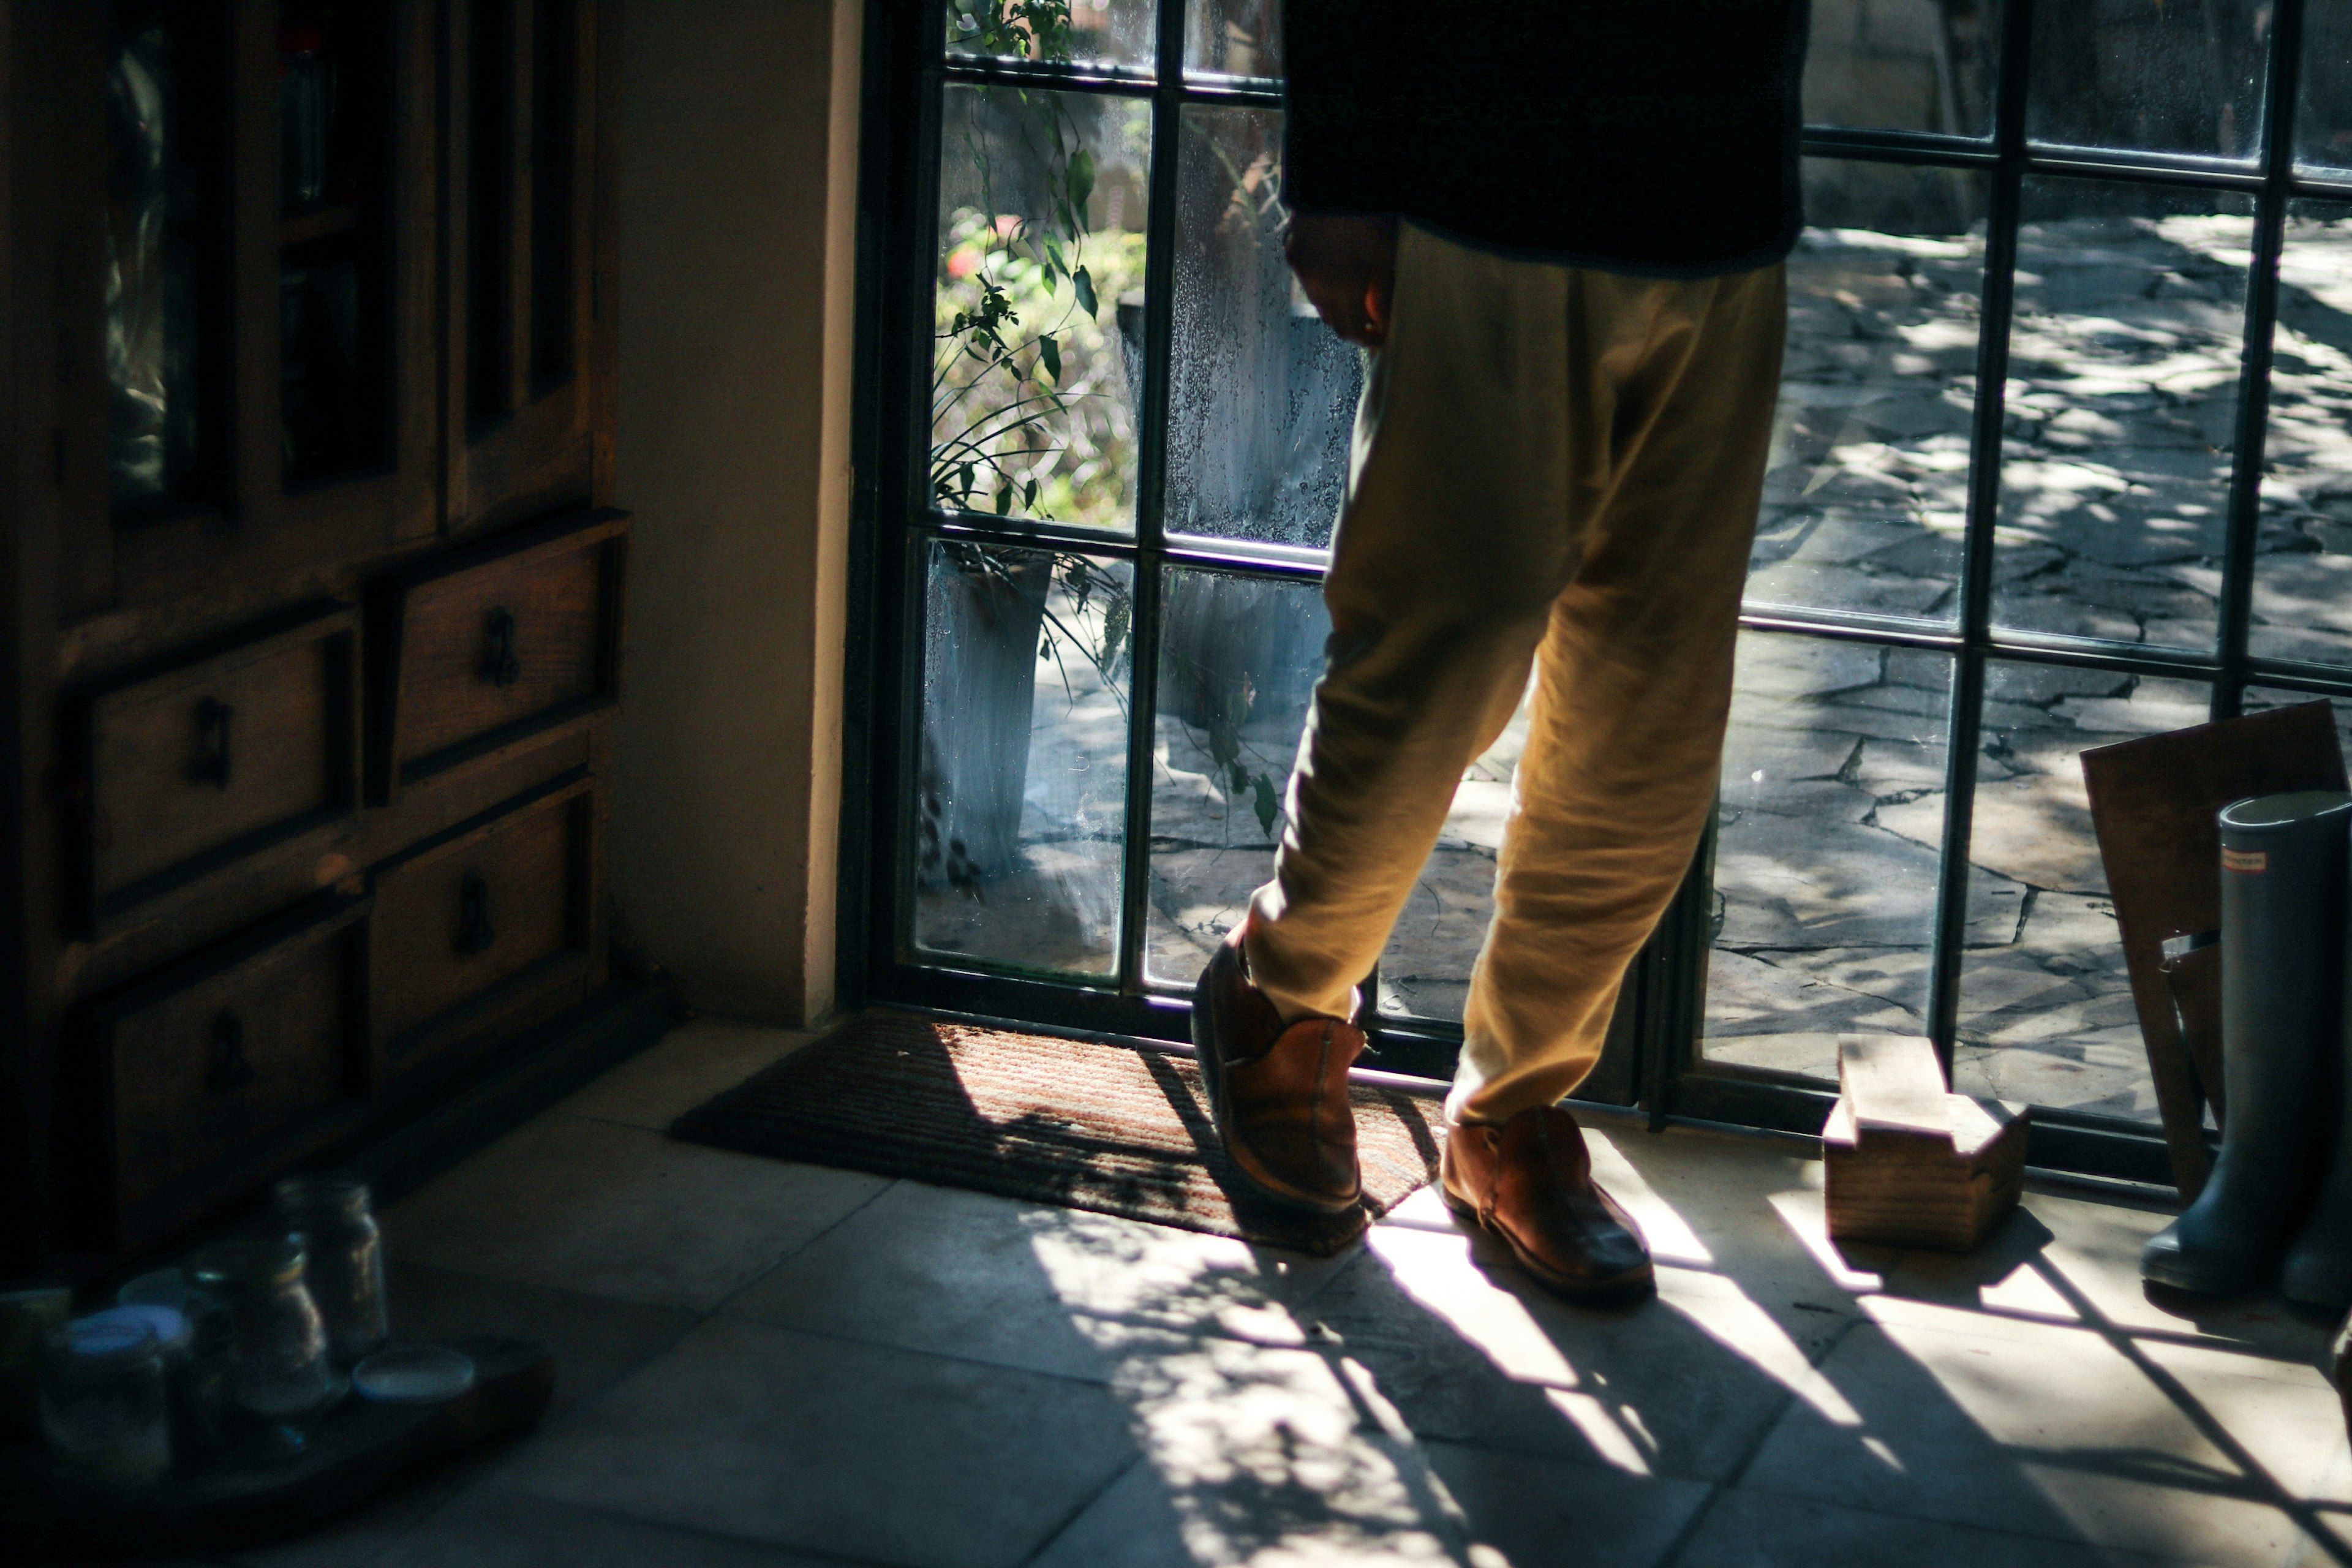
1910 1164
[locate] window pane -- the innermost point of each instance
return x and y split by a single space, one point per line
1021 775
1262 395
2183 78
2322 127
1042 200
1234 38
2303 577
2123 402
1425 970
1867 494
1829 827
1902 64
1239 658
1098 32
2045 1002
2262 699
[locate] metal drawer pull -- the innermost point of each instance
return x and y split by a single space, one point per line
213 760
475 932
228 1071
499 665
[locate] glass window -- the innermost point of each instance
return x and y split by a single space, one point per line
1234 39
1829 830
2046 1012
2148 76
2322 127
1034 386
1020 797
2122 410
1902 64
2302 576
1262 395
1056 32
1868 494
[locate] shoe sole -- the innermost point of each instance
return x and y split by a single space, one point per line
1213 1074
1631 1286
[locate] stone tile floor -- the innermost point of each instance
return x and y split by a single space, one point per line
767 1365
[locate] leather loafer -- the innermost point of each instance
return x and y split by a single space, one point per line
1529 1183
1279 1094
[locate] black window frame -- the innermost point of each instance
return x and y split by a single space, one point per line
1653 1058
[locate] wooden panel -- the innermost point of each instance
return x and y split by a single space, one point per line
186 766
479 648
482 910
2153 805
214 1069
1908 1163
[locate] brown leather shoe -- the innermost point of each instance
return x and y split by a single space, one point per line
1529 1183
1279 1095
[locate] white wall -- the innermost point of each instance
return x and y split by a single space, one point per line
737 146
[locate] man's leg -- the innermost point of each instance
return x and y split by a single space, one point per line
1460 530
1481 446
1633 686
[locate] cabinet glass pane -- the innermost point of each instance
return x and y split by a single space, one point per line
2302 576
554 110
1867 493
1239 658
2045 1003
1902 64
1262 395
1041 212
2122 410
2322 125
490 155
2143 75
1082 32
165 255
1019 793
1827 841
1234 38
334 125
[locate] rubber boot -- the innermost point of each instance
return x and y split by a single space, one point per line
2283 881
2320 1264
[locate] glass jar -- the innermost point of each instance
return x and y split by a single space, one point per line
196 1361
27 1318
104 1411
280 1376
330 1215
306 117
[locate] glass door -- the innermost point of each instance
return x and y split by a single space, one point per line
2058 461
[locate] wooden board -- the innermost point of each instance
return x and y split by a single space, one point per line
47 1515
2153 804
1907 1162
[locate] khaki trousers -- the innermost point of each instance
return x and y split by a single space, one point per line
1552 466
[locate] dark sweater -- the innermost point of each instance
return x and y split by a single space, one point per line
1656 137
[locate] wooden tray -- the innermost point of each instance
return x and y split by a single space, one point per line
49 1515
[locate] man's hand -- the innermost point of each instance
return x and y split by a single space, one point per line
1348 266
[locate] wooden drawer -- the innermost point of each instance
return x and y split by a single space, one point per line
487 646
478 927
218 1072
178 768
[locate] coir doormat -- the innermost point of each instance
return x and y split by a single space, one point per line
1117 1130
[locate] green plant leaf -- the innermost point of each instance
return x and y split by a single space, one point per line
1084 282
1082 178
1029 496
1049 354
1003 500
1269 806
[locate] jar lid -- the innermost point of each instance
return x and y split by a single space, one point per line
110 1335
307 1194
414 1374
169 1324
272 1260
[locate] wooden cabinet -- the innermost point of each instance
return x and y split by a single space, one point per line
491 912
218 1069
479 649
213 757
315 585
